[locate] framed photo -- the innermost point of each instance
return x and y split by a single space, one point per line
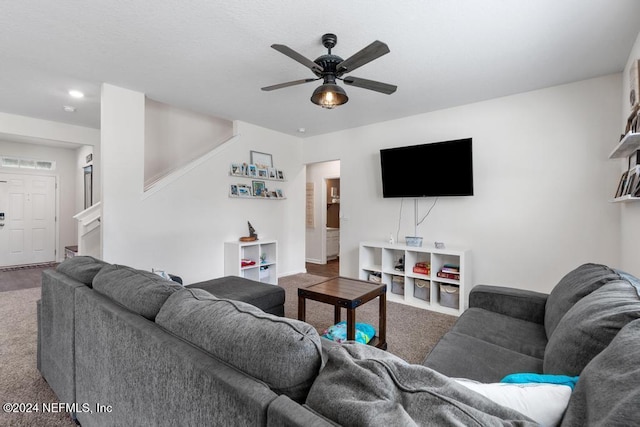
233 190
265 160
236 169
252 170
258 188
263 173
273 173
279 193
621 185
273 194
244 191
280 174
631 183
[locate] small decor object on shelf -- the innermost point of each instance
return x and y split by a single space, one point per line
439 245
414 241
252 234
634 82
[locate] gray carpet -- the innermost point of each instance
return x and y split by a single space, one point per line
20 381
411 333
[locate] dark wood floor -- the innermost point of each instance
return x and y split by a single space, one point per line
330 269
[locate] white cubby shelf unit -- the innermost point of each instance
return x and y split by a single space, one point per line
263 252
381 258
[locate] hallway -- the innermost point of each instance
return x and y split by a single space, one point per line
330 269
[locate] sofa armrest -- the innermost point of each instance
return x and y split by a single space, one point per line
284 412
519 303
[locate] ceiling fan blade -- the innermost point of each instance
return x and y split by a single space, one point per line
371 85
366 55
293 83
286 50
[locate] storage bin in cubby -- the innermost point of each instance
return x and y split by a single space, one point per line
422 289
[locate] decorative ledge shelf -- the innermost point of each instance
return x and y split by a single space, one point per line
627 198
626 147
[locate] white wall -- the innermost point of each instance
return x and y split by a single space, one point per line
542 183
630 216
182 227
174 137
65 172
316 236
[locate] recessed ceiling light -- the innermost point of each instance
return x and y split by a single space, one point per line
69 109
76 94
302 130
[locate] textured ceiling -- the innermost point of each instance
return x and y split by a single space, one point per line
213 57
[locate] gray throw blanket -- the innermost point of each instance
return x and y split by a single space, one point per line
364 386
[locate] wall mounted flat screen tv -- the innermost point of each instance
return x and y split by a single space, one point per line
428 170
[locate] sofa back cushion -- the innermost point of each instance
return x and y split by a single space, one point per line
140 291
81 268
572 288
607 393
284 353
589 326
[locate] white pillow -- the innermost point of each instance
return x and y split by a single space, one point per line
544 403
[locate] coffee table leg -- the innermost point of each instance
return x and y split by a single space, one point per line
351 324
336 315
301 308
382 322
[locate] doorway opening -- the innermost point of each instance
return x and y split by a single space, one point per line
323 218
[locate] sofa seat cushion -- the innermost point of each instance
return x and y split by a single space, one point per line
261 295
589 327
524 337
462 356
607 393
284 353
140 291
81 268
362 385
574 286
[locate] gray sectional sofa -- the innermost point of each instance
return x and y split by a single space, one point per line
130 348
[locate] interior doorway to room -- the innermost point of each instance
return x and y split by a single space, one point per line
27 219
323 218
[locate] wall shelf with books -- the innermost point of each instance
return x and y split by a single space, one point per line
426 277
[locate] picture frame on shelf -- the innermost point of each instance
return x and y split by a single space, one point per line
265 160
252 170
631 182
273 173
263 173
621 185
280 174
233 190
236 169
258 188
244 190
279 193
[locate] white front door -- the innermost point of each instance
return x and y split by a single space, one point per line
27 219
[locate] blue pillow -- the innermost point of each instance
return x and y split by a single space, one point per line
338 332
540 378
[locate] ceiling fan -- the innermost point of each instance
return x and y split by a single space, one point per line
331 67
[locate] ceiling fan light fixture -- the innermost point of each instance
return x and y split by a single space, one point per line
329 95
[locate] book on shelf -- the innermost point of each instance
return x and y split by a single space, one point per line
445 275
422 268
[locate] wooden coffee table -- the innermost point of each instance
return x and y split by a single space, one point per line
350 294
